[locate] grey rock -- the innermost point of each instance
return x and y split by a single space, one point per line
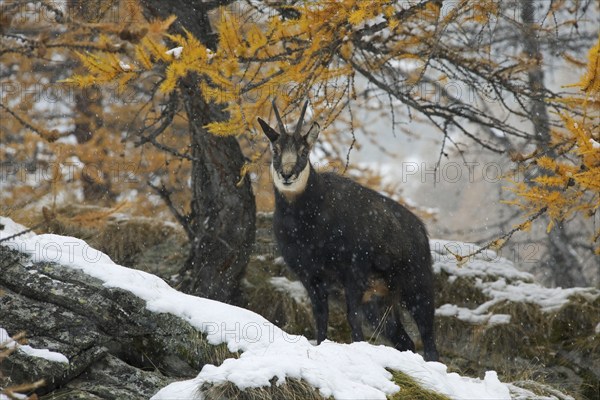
116 347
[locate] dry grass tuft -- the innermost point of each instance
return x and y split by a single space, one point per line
278 307
411 390
291 389
527 330
577 318
145 243
461 291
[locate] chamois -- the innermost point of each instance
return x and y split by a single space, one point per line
332 230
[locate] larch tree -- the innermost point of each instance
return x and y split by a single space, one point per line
206 69
111 159
562 260
570 182
57 140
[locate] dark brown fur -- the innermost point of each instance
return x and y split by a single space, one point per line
337 231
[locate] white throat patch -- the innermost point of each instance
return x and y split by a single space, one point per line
291 191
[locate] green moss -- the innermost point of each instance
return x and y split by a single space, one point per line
197 351
411 390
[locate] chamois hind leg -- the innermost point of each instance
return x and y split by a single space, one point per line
383 314
318 293
419 302
395 332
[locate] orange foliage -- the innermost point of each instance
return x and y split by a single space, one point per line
570 182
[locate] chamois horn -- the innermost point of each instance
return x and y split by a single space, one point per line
280 123
301 121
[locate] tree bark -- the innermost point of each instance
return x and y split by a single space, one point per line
223 212
562 261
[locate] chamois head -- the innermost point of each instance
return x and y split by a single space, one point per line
290 166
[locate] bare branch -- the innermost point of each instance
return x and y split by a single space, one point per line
184 220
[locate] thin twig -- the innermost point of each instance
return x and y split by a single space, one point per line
23 121
350 91
165 194
6 239
502 239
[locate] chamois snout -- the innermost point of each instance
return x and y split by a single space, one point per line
286 178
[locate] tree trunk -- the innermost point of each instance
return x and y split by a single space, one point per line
89 117
223 213
562 261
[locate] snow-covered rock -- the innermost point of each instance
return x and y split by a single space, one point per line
357 370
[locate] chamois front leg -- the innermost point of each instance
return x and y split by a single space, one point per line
353 309
318 293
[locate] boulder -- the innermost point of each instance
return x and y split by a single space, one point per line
115 347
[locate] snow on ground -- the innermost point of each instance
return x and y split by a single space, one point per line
294 289
487 264
7 342
499 280
343 371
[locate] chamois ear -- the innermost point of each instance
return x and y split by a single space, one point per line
270 132
312 134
